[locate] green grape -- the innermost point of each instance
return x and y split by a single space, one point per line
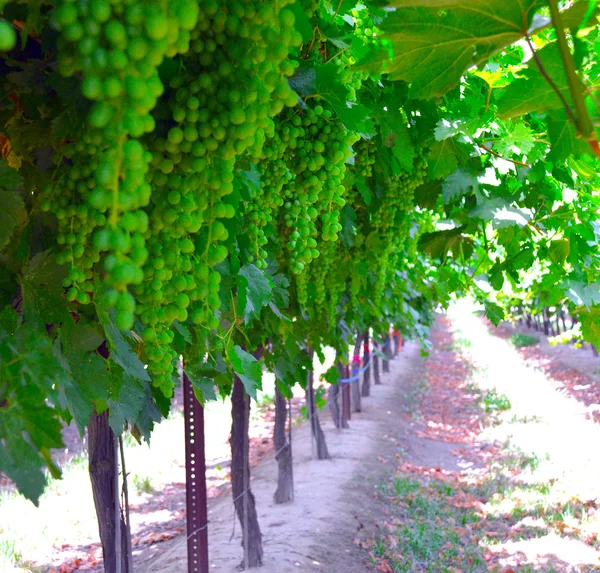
365 32
392 220
8 36
205 125
119 71
310 149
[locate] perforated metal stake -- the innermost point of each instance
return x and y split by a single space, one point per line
195 481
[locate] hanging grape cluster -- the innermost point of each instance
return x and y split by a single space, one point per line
117 48
219 109
315 195
140 195
391 221
327 277
180 98
365 31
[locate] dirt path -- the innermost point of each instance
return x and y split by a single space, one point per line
583 360
575 371
500 469
334 500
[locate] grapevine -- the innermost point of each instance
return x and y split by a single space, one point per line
185 180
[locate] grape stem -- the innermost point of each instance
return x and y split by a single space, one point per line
583 121
334 15
549 80
114 214
335 55
496 154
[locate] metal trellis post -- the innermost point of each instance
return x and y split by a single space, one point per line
195 474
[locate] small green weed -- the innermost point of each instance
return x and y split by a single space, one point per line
521 340
142 484
264 401
495 402
9 553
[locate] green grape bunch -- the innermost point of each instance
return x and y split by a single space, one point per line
207 123
391 222
116 49
314 197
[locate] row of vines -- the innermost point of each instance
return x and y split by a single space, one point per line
235 185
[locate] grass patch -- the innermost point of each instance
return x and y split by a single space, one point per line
430 529
521 340
441 522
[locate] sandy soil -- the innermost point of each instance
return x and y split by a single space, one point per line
582 359
334 500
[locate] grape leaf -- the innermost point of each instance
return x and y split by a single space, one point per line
583 294
204 388
304 80
87 377
29 425
458 184
500 213
495 277
445 129
439 243
590 325
19 461
563 137
8 285
348 221
519 139
531 92
254 292
494 312
281 298
434 42
128 397
426 195
442 159
355 116
559 250
301 21
148 415
43 295
247 368
13 213
251 181
123 355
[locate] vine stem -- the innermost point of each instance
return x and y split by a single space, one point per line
496 154
125 492
114 214
334 15
336 55
583 122
551 83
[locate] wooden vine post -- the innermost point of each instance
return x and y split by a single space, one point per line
346 397
195 481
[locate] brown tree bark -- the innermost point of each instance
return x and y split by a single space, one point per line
376 372
366 386
321 445
283 451
243 499
333 401
103 468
